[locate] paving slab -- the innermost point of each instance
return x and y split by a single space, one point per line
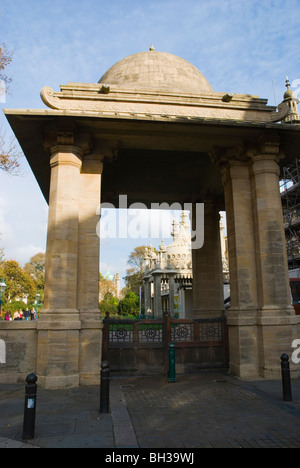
197 411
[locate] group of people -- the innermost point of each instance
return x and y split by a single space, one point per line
20 315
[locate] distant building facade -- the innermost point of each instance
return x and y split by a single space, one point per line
168 277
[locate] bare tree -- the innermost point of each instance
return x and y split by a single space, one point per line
9 152
9 155
5 60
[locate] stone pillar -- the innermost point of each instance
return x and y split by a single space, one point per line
88 271
59 324
157 295
208 294
147 287
276 316
261 322
171 293
242 316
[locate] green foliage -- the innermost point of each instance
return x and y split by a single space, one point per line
19 283
135 274
11 307
36 269
129 305
109 304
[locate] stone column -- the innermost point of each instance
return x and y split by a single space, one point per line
157 295
171 293
88 270
208 294
59 324
276 316
242 315
147 287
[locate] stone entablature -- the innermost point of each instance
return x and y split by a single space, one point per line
136 103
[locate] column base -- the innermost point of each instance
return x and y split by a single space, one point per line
90 354
69 348
276 335
256 343
243 343
58 382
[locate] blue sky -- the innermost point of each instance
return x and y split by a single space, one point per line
240 46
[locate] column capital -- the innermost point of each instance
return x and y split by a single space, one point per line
67 141
228 156
268 147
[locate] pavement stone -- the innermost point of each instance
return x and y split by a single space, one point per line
198 411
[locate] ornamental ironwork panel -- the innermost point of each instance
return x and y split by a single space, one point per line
150 333
121 333
184 332
211 331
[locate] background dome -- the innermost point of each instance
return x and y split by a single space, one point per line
157 71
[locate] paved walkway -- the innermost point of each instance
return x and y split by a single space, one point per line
207 410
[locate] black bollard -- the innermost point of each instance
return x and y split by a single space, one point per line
104 390
286 378
30 407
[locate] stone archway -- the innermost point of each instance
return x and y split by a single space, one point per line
197 145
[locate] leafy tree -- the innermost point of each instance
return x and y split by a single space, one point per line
36 269
19 283
135 274
136 259
107 287
109 304
11 307
129 305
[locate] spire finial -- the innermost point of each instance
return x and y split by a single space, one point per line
152 48
288 84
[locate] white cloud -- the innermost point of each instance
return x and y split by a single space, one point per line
23 253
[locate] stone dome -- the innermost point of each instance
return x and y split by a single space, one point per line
157 71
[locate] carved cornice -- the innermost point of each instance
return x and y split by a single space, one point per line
119 101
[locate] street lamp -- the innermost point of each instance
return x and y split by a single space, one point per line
2 291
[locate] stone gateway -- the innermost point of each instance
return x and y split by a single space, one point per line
92 144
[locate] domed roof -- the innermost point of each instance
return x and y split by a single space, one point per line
179 252
157 71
